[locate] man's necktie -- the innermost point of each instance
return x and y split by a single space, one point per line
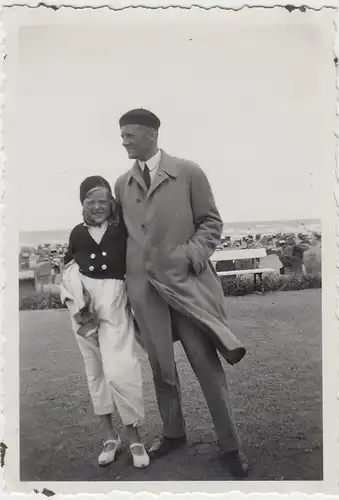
147 177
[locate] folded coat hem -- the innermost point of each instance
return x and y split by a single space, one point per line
231 355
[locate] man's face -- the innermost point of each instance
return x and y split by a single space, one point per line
137 140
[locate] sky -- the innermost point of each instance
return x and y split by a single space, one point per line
251 101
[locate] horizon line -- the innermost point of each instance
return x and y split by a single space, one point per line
299 219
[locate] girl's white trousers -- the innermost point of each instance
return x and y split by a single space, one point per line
111 363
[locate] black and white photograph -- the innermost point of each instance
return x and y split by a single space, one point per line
170 249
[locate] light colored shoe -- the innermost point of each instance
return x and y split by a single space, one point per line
108 456
140 461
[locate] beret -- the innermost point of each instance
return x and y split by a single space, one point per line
93 182
140 117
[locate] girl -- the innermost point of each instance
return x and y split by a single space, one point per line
94 290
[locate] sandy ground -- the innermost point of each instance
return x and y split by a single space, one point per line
276 393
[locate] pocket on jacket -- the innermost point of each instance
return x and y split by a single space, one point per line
171 261
180 261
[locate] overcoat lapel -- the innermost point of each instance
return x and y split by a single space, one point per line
136 174
167 168
158 180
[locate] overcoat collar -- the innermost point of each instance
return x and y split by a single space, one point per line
167 168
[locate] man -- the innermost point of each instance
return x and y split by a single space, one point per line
173 228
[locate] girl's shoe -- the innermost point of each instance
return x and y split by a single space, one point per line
140 461
108 456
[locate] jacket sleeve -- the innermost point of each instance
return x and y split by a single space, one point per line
70 250
207 221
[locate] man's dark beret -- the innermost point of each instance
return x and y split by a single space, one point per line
140 117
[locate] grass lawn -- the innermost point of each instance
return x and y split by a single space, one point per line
275 390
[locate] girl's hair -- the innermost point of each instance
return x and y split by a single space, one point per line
116 212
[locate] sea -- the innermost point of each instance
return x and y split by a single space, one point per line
233 229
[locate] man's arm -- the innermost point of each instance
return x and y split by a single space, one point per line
207 221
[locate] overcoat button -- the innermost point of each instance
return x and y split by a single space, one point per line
104 254
93 256
104 267
138 200
91 268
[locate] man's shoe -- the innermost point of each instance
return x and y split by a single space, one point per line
237 464
165 445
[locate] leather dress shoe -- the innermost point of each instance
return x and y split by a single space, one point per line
165 445
237 464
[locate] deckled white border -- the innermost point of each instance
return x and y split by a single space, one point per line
313 4
2 237
336 58
208 4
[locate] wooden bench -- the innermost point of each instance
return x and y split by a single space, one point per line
40 275
26 282
26 274
229 258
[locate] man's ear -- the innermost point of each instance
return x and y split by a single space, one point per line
153 134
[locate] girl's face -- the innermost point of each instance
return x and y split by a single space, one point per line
97 205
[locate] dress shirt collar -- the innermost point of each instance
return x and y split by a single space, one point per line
152 163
